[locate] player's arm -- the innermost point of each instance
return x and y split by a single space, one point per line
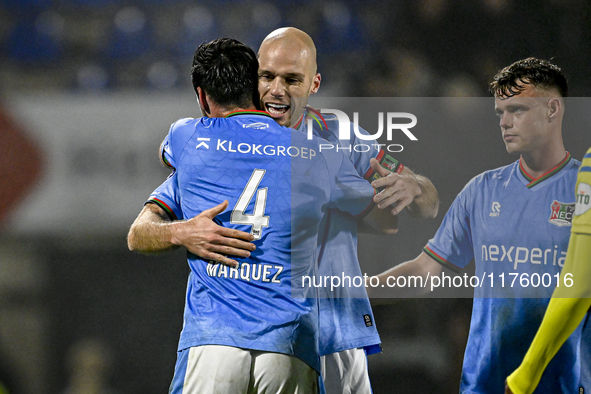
451 247
423 266
157 230
405 190
375 222
351 192
153 231
562 317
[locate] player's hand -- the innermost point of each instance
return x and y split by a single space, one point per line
203 237
399 192
507 389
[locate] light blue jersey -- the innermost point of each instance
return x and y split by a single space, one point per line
514 227
346 318
278 184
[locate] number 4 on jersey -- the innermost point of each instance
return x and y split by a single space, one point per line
257 220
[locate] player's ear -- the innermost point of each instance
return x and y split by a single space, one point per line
554 108
203 103
315 83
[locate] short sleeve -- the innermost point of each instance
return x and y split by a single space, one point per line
166 196
174 142
358 151
361 157
386 161
350 192
165 154
452 244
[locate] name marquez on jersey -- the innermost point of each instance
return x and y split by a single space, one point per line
268 273
258 149
520 255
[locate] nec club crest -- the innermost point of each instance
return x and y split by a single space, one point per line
561 214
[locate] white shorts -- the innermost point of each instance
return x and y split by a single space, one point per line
217 369
346 372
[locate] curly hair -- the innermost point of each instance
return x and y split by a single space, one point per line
539 73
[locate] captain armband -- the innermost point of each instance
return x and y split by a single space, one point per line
386 161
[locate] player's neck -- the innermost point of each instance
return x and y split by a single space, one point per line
220 112
540 162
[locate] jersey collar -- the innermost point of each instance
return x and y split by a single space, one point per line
299 122
247 112
318 118
531 181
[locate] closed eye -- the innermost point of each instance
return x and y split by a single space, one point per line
265 76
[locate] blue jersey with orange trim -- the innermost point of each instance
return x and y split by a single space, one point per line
514 227
278 184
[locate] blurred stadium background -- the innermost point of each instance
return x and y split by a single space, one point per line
88 89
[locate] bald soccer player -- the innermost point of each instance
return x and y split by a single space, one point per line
287 77
287 71
244 331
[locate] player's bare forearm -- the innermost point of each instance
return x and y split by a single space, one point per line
426 204
405 190
153 232
421 267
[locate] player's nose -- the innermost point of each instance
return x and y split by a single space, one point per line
505 121
277 88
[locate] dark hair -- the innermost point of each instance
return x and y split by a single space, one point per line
536 72
227 70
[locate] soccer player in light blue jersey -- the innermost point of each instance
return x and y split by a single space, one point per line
288 72
244 331
513 221
287 76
